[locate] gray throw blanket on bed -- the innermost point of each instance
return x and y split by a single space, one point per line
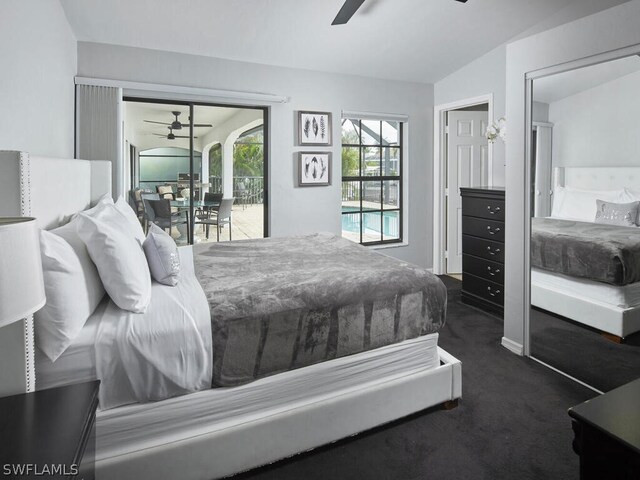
604 253
283 303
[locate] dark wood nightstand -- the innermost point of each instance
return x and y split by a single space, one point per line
607 434
49 431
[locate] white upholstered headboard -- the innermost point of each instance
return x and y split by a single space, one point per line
597 178
50 189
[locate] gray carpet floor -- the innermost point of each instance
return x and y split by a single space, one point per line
511 423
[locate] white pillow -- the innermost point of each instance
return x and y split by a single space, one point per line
631 195
132 219
93 285
576 204
162 255
119 258
73 290
103 200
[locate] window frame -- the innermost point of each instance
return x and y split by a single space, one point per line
361 179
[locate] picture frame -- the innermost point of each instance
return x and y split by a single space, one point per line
314 169
314 129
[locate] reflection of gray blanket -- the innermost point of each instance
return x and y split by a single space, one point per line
604 253
282 303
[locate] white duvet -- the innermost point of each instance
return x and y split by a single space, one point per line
165 352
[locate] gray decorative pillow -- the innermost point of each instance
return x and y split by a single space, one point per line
162 256
622 214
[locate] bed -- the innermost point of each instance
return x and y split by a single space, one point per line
353 369
588 272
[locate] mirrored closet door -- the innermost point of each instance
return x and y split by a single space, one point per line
585 233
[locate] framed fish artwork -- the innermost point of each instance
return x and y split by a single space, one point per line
314 169
314 128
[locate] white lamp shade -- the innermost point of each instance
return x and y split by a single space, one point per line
21 284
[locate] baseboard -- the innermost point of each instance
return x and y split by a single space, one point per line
512 346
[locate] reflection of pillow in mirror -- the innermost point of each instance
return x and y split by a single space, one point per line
622 214
580 205
631 195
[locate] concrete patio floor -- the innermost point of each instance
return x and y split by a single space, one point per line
246 222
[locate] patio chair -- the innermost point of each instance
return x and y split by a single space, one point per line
221 219
242 194
135 200
205 212
159 212
165 191
145 215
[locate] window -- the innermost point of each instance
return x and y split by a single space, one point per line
372 154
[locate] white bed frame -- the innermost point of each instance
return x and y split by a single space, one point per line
53 189
613 320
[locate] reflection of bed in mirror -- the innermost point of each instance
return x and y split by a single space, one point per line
576 272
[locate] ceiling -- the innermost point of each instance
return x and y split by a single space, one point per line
145 135
411 40
556 87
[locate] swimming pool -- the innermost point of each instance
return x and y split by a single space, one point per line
371 222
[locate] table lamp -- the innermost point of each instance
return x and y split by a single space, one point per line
21 294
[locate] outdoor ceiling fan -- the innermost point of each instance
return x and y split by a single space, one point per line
176 125
350 7
171 135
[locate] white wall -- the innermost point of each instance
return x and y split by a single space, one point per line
297 210
609 30
38 57
540 112
485 75
598 126
240 120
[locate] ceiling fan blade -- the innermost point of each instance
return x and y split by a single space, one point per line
159 123
183 136
463 1
186 125
346 12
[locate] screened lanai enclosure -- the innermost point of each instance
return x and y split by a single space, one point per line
198 171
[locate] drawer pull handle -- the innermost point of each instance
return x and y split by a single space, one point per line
493 272
494 211
494 231
497 250
492 293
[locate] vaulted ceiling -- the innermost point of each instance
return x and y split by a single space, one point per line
411 40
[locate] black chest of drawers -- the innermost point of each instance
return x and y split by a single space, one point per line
483 214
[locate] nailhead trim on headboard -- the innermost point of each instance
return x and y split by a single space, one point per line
25 185
29 354
29 335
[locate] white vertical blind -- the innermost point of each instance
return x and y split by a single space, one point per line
99 129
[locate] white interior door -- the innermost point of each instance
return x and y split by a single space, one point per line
467 166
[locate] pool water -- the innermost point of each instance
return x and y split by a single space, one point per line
390 222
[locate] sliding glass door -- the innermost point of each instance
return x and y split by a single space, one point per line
206 163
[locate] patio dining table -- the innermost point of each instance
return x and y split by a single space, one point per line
183 205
